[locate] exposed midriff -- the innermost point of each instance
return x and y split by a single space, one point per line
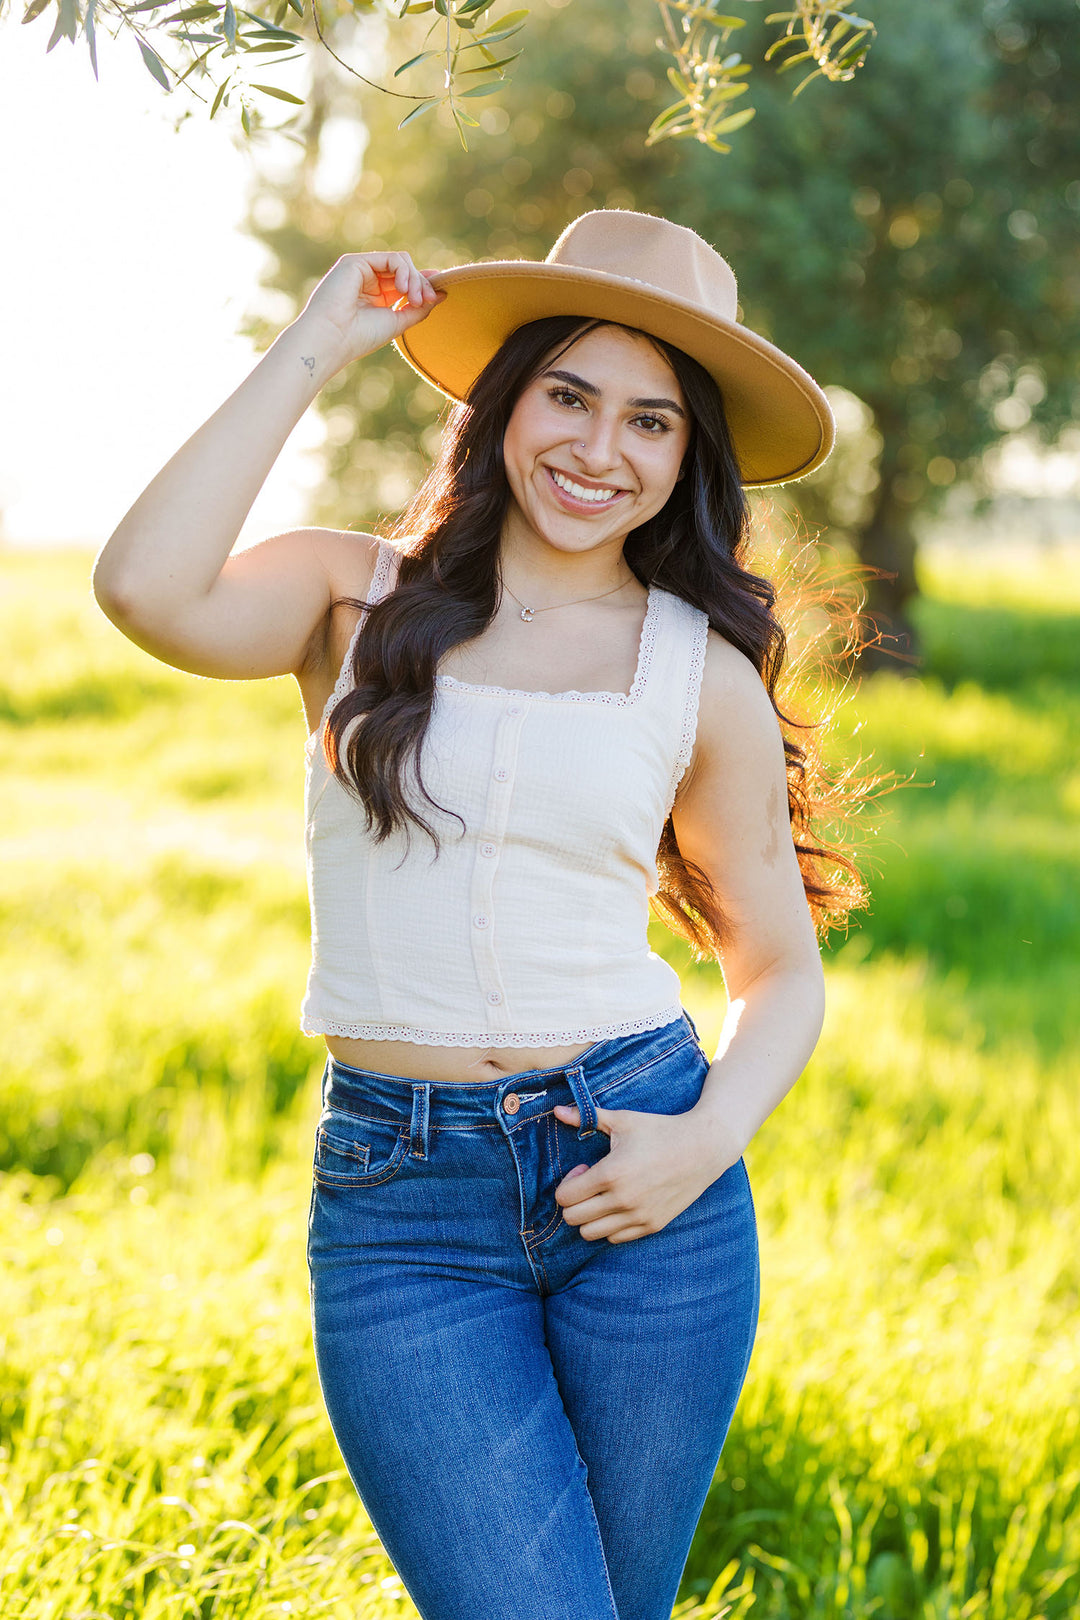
449 1063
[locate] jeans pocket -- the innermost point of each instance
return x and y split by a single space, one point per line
670 1085
353 1151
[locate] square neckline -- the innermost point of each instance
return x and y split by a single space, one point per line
382 580
646 641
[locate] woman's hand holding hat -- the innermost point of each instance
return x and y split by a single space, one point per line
647 273
365 301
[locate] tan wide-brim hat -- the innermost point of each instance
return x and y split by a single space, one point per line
645 272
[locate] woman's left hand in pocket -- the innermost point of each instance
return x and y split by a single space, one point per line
656 1166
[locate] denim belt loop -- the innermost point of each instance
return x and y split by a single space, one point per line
418 1125
583 1099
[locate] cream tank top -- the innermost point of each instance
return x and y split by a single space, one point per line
529 929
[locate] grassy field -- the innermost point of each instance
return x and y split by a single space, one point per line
906 1447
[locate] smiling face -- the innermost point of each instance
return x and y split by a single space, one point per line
595 442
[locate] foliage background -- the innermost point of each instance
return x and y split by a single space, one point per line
912 238
906 1445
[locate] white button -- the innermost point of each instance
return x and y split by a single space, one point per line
501 774
480 920
515 708
494 996
487 849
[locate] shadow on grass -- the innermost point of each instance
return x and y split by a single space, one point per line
998 647
91 697
991 900
188 1093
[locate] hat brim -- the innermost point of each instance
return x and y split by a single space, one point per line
780 421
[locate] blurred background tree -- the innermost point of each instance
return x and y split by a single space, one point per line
912 240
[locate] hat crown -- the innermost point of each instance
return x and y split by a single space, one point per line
656 252
617 266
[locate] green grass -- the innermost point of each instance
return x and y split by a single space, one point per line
906 1446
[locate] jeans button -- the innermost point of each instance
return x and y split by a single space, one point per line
512 1102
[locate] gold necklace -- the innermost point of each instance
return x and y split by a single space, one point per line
528 613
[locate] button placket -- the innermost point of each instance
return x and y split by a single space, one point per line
483 919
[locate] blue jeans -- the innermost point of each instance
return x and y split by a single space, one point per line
531 1418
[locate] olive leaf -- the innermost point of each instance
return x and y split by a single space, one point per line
705 74
696 33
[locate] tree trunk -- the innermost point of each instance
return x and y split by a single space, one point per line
887 544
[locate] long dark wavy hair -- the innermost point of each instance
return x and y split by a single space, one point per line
448 588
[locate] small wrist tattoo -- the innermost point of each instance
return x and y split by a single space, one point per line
309 361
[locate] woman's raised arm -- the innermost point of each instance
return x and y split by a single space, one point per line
166 577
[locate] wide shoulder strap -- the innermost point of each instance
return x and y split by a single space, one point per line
383 580
678 667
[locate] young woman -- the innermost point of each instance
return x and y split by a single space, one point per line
546 703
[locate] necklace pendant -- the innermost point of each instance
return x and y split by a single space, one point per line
527 614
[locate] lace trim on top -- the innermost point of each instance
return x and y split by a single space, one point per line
491 1037
380 579
646 643
692 707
